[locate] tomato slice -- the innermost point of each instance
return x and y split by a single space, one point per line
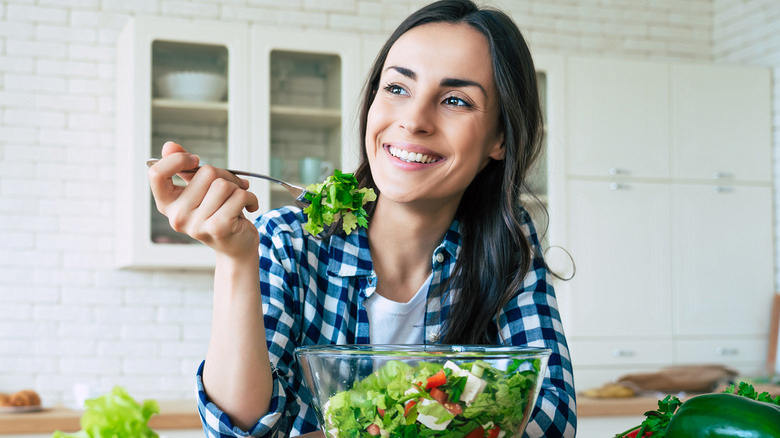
454 408
439 395
373 429
436 380
408 407
493 433
476 433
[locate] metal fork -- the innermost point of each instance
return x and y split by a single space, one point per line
299 193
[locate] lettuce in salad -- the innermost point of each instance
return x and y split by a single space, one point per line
338 197
470 400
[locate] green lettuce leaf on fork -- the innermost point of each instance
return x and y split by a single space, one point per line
338 197
115 414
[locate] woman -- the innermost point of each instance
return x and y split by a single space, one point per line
450 126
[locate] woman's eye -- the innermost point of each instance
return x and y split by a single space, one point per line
395 89
452 100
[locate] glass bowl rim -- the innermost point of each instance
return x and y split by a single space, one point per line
423 350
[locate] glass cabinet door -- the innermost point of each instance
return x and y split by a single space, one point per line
304 100
190 106
184 82
306 107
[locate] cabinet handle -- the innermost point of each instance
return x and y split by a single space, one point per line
616 186
721 175
621 352
721 189
615 171
727 351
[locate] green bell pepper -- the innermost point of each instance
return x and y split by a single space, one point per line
725 416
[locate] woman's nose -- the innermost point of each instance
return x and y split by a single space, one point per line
417 117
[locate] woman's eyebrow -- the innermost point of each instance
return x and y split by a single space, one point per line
446 82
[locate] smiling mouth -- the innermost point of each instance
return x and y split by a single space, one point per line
411 157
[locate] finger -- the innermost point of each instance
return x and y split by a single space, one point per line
229 217
161 176
221 204
170 148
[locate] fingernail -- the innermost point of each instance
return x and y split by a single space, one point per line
194 158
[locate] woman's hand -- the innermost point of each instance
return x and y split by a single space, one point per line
210 207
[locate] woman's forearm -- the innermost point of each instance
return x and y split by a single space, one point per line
237 372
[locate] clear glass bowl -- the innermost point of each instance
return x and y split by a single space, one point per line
398 390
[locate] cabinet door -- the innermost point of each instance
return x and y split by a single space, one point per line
618 118
722 259
151 110
721 122
619 239
305 96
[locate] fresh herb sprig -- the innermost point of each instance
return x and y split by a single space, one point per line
338 197
747 390
656 422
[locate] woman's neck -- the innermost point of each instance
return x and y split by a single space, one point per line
402 240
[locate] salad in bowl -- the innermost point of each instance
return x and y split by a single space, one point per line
422 390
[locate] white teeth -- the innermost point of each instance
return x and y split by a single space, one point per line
411 157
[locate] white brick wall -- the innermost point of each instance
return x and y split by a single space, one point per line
66 315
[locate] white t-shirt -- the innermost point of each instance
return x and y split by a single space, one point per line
391 322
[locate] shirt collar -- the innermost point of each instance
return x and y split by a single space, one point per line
349 255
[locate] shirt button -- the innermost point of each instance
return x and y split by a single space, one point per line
440 258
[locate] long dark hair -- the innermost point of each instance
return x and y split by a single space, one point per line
495 254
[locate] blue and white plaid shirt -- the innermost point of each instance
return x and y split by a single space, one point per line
313 293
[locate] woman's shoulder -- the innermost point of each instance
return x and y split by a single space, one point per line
283 224
288 219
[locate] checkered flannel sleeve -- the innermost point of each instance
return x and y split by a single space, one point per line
532 319
288 414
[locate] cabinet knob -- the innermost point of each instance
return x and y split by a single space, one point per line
727 351
616 186
721 175
622 352
615 171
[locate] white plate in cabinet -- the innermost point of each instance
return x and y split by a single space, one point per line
725 351
618 120
621 353
721 124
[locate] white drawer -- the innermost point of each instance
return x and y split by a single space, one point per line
621 353
725 351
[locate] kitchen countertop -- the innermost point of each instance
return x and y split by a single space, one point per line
638 405
174 414
183 414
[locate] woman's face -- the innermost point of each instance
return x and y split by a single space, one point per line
433 124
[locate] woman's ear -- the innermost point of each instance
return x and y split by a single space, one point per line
499 149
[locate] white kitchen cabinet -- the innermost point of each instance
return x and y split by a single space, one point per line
721 124
297 86
217 130
722 259
617 118
683 273
619 239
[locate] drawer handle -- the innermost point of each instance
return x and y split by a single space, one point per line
615 171
722 175
722 189
727 351
616 186
620 352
